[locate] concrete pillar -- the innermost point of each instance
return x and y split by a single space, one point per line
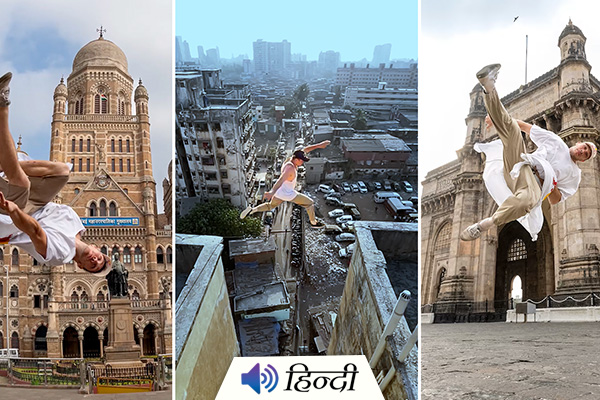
141 337
101 339
80 337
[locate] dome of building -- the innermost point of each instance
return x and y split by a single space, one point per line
100 53
61 89
140 91
570 29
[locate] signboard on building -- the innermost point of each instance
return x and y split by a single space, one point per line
110 221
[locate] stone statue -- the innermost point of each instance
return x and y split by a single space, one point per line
102 153
117 278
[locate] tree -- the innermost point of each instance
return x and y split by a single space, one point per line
301 92
292 106
218 217
337 96
360 120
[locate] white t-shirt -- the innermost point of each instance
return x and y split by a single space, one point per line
60 223
556 152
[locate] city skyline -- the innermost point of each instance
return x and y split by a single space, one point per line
314 22
39 47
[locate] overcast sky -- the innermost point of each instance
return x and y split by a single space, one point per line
311 26
39 39
457 38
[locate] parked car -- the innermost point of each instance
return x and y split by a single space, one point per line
347 252
362 187
334 194
370 186
9 353
338 188
346 187
343 218
407 187
336 213
355 213
345 237
355 188
415 200
348 226
325 189
387 185
333 230
377 185
348 206
333 201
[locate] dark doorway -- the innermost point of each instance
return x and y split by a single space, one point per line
40 339
91 344
70 343
149 342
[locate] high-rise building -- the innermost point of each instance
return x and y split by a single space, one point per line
213 58
397 78
187 55
214 140
271 57
329 60
178 50
63 311
381 54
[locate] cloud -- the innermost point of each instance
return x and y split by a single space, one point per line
38 41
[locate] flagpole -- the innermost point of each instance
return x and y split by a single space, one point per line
526 49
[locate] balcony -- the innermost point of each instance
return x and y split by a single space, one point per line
101 117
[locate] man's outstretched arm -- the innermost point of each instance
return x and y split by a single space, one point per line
312 147
524 126
26 224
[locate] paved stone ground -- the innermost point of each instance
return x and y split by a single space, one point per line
534 361
12 392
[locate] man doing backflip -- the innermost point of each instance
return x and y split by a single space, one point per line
285 187
518 181
48 231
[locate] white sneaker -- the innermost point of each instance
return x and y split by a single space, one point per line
471 233
487 77
245 213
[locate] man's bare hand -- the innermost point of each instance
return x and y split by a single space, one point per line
488 122
7 205
268 195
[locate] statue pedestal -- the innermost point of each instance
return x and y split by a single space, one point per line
121 344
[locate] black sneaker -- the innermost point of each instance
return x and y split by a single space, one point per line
5 89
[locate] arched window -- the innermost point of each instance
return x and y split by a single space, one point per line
81 145
442 242
127 146
84 296
169 255
120 145
160 258
135 295
100 296
517 250
126 255
87 164
1 289
104 250
137 255
112 145
74 297
14 291
15 257
101 103
112 165
89 145
102 208
442 277
115 249
14 340
128 165
120 165
93 209
73 144
80 165
112 209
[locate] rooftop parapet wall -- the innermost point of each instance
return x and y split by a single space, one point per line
368 302
205 328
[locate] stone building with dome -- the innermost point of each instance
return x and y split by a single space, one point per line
477 278
63 311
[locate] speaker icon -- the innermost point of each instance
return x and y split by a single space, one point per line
269 376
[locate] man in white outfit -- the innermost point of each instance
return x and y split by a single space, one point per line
517 181
50 232
285 187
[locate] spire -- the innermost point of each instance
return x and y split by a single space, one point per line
19 143
101 30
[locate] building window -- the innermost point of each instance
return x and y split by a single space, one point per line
102 208
72 164
210 176
101 103
112 145
127 145
15 257
89 145
37 301
160 258
442 242
128 165
208 160
112 209
220 143
120 165
14 291
73 145
120 145
517 250
112 164
76 191
87 165
169 255
81 145
126 255
80 162
137 255
93 210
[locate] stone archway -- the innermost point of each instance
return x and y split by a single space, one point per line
40 343
91 343
70 343
518 255
149 340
